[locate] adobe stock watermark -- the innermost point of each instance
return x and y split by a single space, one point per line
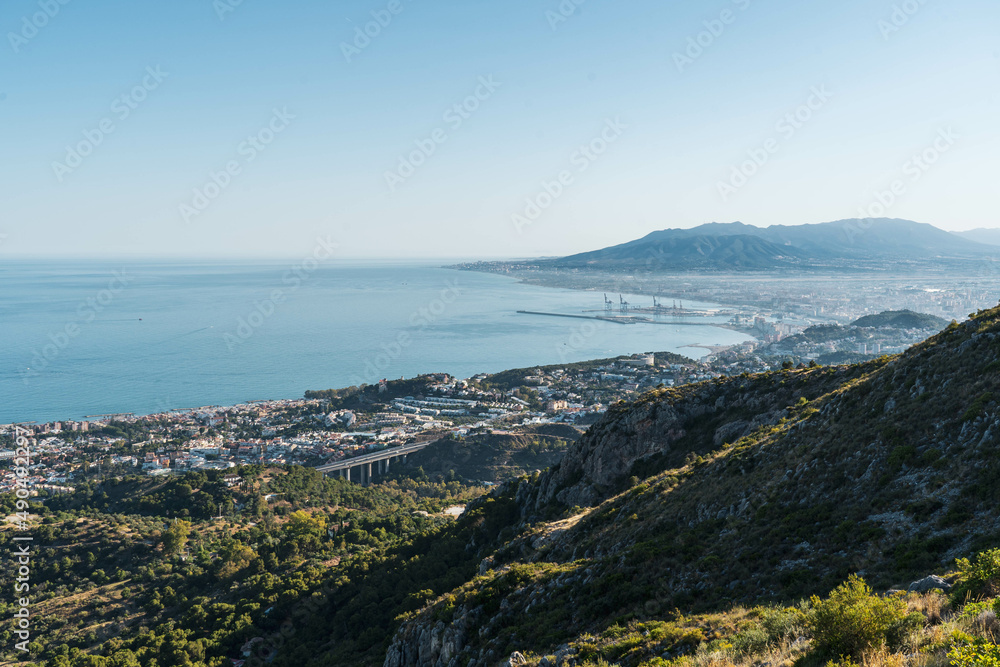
564 12
455 116
363 36
31 25
714 29
581 160
900 16
576 341
121 108
912 171
247 151
291 281
21 544
224 7
86 312
420 319
786 127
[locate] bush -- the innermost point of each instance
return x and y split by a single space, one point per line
844 661
978 654
751 640
781 624
978 579
853 620
901 631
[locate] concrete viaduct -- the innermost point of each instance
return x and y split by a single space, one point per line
367 466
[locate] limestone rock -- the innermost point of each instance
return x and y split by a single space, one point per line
928 584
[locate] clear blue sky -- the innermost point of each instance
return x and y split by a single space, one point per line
685 128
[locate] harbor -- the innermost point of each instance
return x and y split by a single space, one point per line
628 313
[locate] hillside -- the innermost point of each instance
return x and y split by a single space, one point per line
901 319
755 489
740 246
493 457
683 251
516 377
130 571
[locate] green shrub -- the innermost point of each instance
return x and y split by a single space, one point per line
901 631
781 624
978 654
853 620
843 661
974 609
978 579
751 640
976 409
655 662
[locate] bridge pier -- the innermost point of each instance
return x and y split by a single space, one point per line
369 466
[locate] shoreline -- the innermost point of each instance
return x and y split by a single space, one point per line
133 416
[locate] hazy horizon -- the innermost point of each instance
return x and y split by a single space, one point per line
400 259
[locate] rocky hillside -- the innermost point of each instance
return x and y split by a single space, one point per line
494 457
752 489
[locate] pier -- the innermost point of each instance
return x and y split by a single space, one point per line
620 319
616 320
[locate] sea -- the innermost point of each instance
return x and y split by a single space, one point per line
82 339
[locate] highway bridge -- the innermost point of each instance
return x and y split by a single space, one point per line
367 466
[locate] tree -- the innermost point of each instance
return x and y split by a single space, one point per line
176 537
301 523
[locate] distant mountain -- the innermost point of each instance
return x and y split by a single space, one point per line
879 237
987 236
739 246
901 319
689 251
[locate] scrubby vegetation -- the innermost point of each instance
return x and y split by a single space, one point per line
491 457
850 626
143 572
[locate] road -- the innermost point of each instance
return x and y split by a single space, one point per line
392 453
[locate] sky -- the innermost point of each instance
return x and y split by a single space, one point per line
474 129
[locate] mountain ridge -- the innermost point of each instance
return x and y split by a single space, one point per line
740 246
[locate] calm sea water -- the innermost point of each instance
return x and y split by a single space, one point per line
75 340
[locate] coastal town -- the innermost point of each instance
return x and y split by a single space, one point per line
330 426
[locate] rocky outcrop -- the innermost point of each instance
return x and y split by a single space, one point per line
928 584
611 448
431 644
671 424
